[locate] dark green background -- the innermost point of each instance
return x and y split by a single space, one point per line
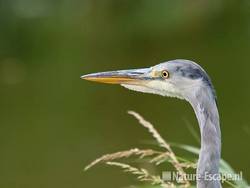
52 123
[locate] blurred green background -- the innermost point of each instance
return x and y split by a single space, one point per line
52 123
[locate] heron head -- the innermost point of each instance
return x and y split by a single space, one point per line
176 78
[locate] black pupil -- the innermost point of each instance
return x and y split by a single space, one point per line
165 74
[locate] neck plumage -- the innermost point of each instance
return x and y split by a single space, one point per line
206 111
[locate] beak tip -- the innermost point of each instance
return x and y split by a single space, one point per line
83 77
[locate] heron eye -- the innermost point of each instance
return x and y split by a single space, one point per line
165 74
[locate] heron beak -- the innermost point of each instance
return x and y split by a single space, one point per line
134 76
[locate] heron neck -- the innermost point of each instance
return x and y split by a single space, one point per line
208 117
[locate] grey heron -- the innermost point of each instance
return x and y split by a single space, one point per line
186 80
